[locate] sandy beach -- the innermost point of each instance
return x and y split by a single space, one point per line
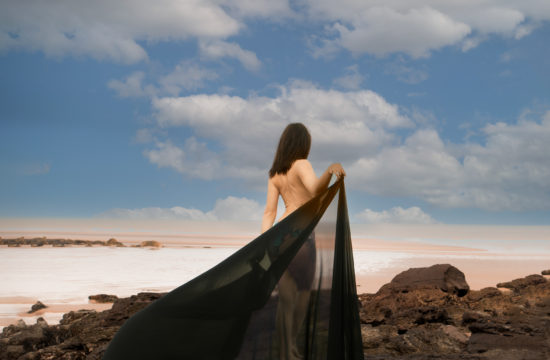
63 278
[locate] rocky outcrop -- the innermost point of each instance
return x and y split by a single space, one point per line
103 298
82 334
518 284
37 306
37 242
424 320
149 243
114 242
444 277
545 272
428 320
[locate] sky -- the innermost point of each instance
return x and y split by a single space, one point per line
439 111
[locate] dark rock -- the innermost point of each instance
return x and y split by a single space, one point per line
36 242
428 314
473 316
485 293
37 306
545 272
424 322
150 243
82 334
441 276
103 298
114 242
519 284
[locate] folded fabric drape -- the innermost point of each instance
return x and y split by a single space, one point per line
269 300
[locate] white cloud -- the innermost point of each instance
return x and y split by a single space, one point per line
343 124
228 209
383 30
396 215
117 30
219 49
175 212
194 160
419 27
508 172
132 86
186 75
351 80
273 9
234 208
106 29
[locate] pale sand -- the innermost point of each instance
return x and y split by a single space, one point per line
52 312
481 267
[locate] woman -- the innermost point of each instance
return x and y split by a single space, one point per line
292 177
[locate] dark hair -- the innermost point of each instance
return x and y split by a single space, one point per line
294 144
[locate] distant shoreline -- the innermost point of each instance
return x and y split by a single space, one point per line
226 241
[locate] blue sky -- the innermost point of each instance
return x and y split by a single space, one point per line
440 112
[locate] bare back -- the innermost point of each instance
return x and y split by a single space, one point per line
292 190
296 187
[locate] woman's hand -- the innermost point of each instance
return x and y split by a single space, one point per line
337 170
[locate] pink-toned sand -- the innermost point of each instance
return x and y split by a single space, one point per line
52 309
481 267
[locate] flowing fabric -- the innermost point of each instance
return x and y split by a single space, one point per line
288 294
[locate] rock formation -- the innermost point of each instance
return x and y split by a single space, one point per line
103 298
37 242
429 320
408 319
37 306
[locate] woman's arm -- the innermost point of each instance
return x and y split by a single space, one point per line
270 211
313 184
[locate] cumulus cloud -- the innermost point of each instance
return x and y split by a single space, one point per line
186 75
351 80
396 215
259 8
220 49
230 208
194 159
117 30
132 86
508 172
381 31
106 29
343 124
418 28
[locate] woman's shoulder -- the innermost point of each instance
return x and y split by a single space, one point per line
300 165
